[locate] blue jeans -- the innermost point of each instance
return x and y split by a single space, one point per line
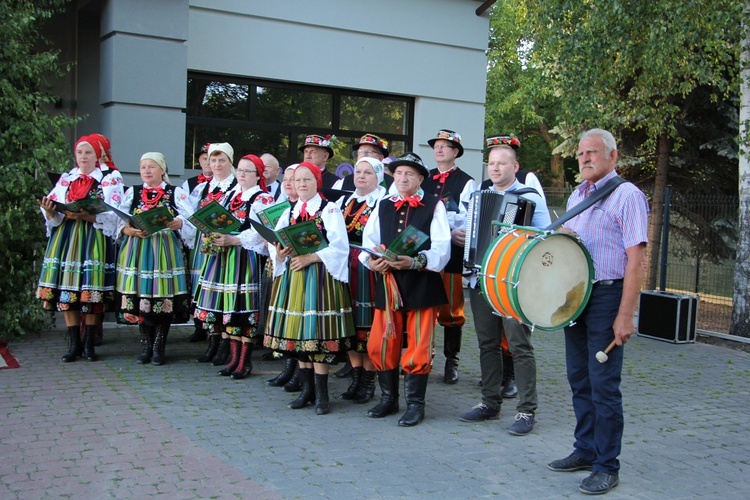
597 400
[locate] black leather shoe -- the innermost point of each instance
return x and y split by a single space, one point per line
345 371
571 463
199 335
599 483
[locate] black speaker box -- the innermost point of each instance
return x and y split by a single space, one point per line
667 316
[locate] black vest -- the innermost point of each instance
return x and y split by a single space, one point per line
419 289
453 187
329 179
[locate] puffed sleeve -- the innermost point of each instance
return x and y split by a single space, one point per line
371 235
336 255
439 252
184 210
113 191
279 266
249 238
125 205
57 194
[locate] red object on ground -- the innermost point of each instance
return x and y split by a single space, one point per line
6 358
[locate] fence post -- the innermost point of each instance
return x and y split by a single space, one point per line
665 239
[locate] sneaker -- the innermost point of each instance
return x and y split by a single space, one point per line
523 425
480 413
598 483
571 463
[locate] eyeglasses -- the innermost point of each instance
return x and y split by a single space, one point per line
242 171
362 152
442 147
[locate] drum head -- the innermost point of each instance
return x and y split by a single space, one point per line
554 282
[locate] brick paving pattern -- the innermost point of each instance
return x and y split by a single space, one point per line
115 428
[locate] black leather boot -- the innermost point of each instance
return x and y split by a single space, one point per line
160 343
509 389
356 377
366 389
307 395
415 387
213 346
199 335
147 342
322 404
75 348
295 383
234 358
99 337
222 353
451 348
88 343
245 364
344 371
290 365
388 381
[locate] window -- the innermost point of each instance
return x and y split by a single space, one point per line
258 116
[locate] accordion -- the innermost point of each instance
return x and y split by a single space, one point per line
485 207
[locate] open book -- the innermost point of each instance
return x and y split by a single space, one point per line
214 218
408 243
94 206
304 238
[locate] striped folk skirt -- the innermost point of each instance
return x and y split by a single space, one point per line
196 259
228 294
78 272
310 316
152 278
362 285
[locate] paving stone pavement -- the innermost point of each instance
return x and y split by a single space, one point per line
116 429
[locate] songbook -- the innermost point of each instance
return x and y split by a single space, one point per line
304 237
271 215
153 220
93 206
407 243
213 218
450 204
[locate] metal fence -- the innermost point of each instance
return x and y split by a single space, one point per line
701 249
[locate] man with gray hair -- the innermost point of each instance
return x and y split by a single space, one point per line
271 174
615 232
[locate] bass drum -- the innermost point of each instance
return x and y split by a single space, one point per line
542 279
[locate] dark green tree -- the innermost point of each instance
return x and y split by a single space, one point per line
31 144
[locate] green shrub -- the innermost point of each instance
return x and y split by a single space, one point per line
31 144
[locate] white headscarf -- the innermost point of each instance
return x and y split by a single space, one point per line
376 165
160 160
225 148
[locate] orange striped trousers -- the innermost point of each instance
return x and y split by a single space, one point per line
385 351
452 313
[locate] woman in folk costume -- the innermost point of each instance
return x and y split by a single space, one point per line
310 312
290 377
76 277
111 175
357 208
228 295
152 284
219 189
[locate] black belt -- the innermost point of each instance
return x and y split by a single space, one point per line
607 282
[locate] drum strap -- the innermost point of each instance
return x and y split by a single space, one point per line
606 189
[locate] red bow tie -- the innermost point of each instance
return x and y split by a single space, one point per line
412 201
202 178
441 176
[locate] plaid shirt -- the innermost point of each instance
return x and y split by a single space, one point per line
611 226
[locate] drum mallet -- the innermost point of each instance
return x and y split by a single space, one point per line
601 356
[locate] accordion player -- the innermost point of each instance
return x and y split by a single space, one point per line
485 207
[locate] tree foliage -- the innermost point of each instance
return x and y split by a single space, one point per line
31 144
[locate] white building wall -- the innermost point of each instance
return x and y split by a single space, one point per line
433 50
